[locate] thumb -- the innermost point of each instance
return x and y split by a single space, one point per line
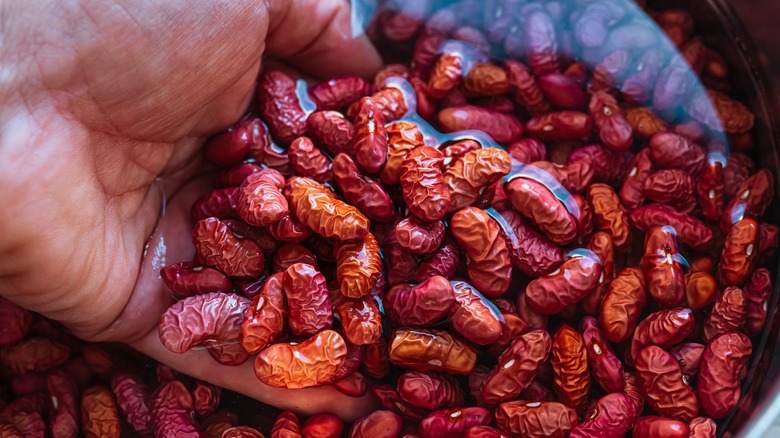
315 36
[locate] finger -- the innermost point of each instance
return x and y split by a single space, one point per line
242 379
316 36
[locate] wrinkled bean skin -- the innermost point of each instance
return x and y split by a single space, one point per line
690 231
613 128
538 204
710 190
359 264
186 279
231 355
562 91
472 173
644 121
220 203
337 93
688 355
751 199
662 384
330 131
739 168
423 304
219 247
664 328
266 316
171 411
600 244
325 425
610 214
448 423
289 229
474 317
503 128
654 427
672 151
419 237
365 193
605 367
447 72
390 103
425 193
612 416
308 364
631 389
608 167
306 160
573 176
560 126
722 367
701 289
671 186
63 396
571 282
361 320
402 138
703 427
429 391
354 385
757 294
132 396
290 254
570 368
443 261
404 263
728 314
260 200
720 113
261 236
16 322
530 252
390 399
632 191
662 268
536 419
308 304
34 355
484 79
99 415
378 424
286 425
280 108
431 350
517 367
319 209
483 432
527 150
487 255
525 90
242 432
739 253
201 320
370 141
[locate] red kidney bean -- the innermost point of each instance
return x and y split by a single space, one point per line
571 282
324 425
423 304
370 142
632 191
517 367
604 365
527 150
671 186
690 231
728 314
525 90
537 203
536 419
474 172
722 367
703 427
425 192
610 214
220 248
474 317
757 291
364 192
662 266
431 350
280 107
378 424
662 383
653 426
228 147
569 360
689 357
419 237
286 424
529 251
186 279
171 409
429 391
17 322
612 416
740 250
337 93
389 399
202 319
665 328
443 261
503 128
359 264
613 128
673 151
308 304
452 422
220 203
562 91
306 160
560 126
265 319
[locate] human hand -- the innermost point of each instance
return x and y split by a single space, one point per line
106 106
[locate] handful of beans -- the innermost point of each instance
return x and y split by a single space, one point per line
568 241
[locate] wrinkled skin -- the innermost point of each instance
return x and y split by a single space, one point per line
701 289
757 294
286 425
612 416
325 425
688 355
306 160
536 419
280 107
739 254
570 368
219 247
132 396
479 236
318 208
431 350
605 367
290 254
361 320
503 128
530 252
266 316
672 151
631 191
750 199
610 123
525 89
690 231
653 426
370 141
186 279
474 317
425 193
571 282
62 394
517 367
402 138
423 304
664 328
171 411
671 186
260 200
446 423
337 93
472 173
610 214
661 381
537 203
310 363
99 413
722 367
308 304
389 398
485 79
662 268
359 264
429 390
378 424
330 131
203 319
16 322
727 315
420 237
560 126
703 427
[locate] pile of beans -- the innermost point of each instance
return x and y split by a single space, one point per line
545 224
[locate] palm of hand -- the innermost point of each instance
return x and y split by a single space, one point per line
111 128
